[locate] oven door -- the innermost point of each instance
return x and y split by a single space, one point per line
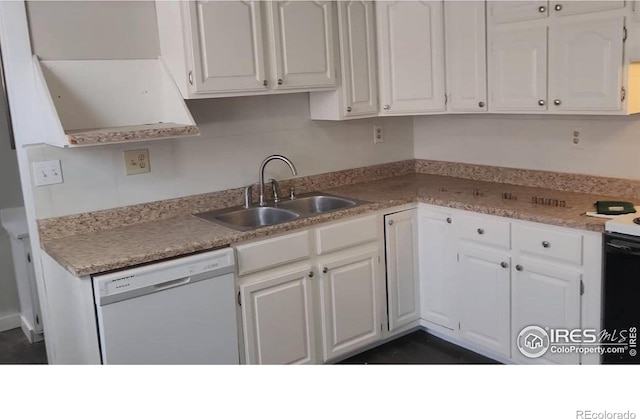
622 294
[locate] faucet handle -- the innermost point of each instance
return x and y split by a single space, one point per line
276 190
292 193
248 196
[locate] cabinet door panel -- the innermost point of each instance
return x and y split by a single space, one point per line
518 68
350 303
585 65
547 297
514 11
228 46
277 314
303 44
577 7
437 256
357 41
410 45
403 293
465 51
485 299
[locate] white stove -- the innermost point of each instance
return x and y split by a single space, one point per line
625 224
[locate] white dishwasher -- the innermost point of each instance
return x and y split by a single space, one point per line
181 311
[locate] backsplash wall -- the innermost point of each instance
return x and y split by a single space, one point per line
609 146
237 134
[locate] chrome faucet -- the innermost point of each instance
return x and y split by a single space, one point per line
262 201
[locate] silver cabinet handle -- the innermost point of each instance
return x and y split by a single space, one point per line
387 107
481 104
325 270
311 274
558 7
348 108
546 244
448 220
519 268
280 81
504 264
481 231
557 102
390 222
265 83
541 102
542 9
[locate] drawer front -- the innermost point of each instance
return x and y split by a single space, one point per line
346 234
549 243
273 252
484 230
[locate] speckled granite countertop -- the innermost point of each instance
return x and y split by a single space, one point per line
100 251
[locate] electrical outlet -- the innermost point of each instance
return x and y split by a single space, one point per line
137 162
378 134
47 173
577 138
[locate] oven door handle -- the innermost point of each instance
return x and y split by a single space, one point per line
623 249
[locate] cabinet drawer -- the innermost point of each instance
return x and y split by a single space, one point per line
549 243
347 234
484 230
268 253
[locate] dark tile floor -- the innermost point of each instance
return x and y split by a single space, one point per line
16 349
418 348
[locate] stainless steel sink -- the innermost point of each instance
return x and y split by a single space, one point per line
250 218
317 204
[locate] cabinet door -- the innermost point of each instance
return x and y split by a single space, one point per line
437 258
515 11
585 65
227 46
466 56
518 68
411 51
277 314
565 8
547 297
350 302
302 38
403 292
357 49
484 298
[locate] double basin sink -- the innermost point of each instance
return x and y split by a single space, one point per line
306 205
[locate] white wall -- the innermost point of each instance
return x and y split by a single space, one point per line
609 146
237 134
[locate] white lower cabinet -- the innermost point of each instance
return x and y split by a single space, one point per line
546 296
401 248
350 291
278 319
484 298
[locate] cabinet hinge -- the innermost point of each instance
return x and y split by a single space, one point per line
191 78
581 287
458 325
446 99
625 33
239 299
458 257
381 327
38 319
623 94
378 258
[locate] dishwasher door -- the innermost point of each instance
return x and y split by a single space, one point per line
177 316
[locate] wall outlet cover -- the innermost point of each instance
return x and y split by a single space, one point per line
47 173
378 134
137 162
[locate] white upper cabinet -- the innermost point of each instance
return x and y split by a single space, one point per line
466 56
518 68
302 38
357 97
566 8
515 11
227 46
586 65
411 53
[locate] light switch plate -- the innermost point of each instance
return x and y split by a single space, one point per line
137 161
47 173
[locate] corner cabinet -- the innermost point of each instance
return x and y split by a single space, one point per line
357 97
411 54
235 48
